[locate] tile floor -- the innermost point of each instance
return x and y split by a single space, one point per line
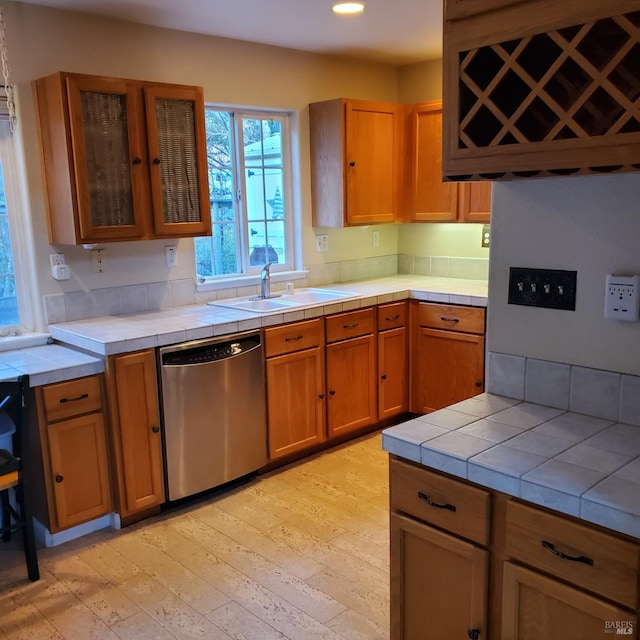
301 553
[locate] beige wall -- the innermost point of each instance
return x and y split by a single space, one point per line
588 224
43 41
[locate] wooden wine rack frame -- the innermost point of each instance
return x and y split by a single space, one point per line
524 97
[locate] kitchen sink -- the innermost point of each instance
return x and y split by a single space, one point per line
264 305
315 296
301 298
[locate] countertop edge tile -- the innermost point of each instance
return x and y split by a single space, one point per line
573 498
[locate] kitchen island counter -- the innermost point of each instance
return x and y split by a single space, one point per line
575 464
112 335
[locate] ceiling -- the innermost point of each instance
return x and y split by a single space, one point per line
391 31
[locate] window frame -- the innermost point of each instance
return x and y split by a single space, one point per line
248 274
28 330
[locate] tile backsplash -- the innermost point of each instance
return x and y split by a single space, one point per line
80 305
603 394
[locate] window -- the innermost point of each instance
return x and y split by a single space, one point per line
249 190
16 286
8 301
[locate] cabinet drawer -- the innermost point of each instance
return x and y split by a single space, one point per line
351 324
594 560
72 398
440 316
444 502
293 337
392 315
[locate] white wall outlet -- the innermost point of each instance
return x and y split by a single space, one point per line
622 298
60 271
375 238
56 259
171 255
99 260
322 242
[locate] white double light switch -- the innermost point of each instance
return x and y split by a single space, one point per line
622 298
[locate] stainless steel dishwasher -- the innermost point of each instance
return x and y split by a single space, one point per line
214 411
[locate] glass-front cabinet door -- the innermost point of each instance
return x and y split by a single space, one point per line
177 160
109 157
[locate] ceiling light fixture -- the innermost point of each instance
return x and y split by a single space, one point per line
348 8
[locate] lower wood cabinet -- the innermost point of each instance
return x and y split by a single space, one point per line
535 606
447 355
393 395
468 562
74 470
135 432
295 386
351 371
438 583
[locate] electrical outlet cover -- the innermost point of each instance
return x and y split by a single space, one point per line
622 298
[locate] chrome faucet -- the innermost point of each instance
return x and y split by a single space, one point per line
265 281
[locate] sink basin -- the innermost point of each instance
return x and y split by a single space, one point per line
315 296
301 298
258 306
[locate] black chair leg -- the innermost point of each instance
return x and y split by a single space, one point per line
6 515
28 536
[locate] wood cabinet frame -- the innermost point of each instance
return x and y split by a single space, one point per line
64 165
487 23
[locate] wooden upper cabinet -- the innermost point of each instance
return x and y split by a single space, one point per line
428 197
540 88
356 148
122 159
474 201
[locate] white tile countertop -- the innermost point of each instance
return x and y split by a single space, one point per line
48 363
576 464
123 333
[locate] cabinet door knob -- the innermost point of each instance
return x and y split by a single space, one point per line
478 383
321 396
352 164
137 161
156 161
332 392
474 634
155 428
59 479
383 376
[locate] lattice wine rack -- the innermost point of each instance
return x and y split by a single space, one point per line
555 103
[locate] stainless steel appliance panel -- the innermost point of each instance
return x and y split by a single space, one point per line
214 412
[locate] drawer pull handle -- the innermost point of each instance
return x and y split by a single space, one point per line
298 337
550 547
445 319
350 326
81 397
392 318
431 503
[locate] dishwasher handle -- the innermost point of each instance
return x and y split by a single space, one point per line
211 351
